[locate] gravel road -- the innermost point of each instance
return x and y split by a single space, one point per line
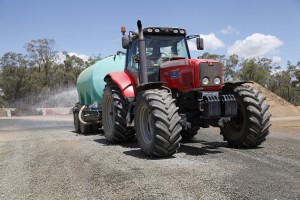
42 158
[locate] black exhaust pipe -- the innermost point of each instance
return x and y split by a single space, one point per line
142 55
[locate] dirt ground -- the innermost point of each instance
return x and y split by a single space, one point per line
42 158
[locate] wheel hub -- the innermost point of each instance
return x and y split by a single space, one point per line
146 125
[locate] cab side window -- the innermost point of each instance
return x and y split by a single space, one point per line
132 53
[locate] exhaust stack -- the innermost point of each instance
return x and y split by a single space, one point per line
142 55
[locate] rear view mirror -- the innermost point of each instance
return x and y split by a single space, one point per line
199 41
200 44
126 41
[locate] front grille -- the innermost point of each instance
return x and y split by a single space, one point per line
211 72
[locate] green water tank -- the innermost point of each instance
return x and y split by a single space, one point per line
90 82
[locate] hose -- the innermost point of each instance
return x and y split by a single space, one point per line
79 115
81 120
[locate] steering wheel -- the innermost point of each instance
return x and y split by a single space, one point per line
165 54
163 58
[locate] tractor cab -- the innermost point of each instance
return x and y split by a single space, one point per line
161 44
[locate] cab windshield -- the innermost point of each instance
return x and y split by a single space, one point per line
159 49
163 48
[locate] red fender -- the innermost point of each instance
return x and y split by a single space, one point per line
124 81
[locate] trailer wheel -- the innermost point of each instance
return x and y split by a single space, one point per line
190 133
85 128
251 125
95 127
157 123
114 111
76 122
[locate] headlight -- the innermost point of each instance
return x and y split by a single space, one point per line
205 81
217 81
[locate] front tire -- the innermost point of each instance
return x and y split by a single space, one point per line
157 123
251 125
114 112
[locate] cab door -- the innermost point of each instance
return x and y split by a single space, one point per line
132 65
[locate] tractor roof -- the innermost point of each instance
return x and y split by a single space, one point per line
164 30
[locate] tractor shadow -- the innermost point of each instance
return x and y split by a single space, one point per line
132 148
195 147
133 143
99 132
137 153
190 147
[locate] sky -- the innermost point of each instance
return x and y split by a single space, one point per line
248 28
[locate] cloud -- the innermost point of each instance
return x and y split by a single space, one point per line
276 59
60 57
230 31
210 42
255 45
82 56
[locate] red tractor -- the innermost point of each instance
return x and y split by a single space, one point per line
163 96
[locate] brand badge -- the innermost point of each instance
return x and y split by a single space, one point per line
174 73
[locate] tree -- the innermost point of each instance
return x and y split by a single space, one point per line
12 78
279 81
230 64
295 74
42 54
255 69
207 55
93 59
73 67
230 67
3 102
27 78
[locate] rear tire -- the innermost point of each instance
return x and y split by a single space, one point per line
114 113
76 122
251 125
85 128
157 123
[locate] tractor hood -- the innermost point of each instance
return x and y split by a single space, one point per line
174 63
192 74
